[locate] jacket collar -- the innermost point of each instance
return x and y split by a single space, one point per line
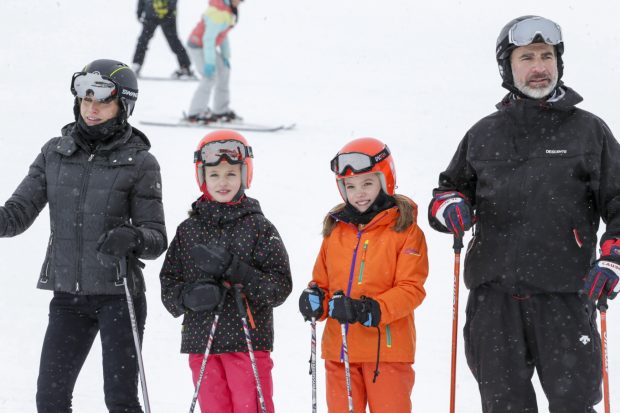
221 214
131 137
563 99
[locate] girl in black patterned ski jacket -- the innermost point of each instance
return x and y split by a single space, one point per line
224 246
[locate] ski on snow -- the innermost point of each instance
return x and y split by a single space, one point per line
239 126
169 79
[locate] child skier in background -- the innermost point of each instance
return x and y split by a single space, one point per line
209 50
369 273
226 240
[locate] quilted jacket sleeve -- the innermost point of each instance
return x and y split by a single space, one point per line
271 281
28 200
147 211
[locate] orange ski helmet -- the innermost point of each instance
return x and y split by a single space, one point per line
223 144
362 156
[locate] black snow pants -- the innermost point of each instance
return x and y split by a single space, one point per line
169 27
74 321
508 336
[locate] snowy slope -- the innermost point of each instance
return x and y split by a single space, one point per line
415 74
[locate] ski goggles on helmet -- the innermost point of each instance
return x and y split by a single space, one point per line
357 162
233 151
526 31
95 86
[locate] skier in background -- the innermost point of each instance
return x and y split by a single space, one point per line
209 49
104 193
535 178
153 13
226 240
369 275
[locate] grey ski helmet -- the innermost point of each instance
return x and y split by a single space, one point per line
522 31
106 79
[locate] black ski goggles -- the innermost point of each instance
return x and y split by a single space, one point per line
357 162
526 31
95 86
212 153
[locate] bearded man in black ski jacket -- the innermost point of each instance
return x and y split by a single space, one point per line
103 188
534 179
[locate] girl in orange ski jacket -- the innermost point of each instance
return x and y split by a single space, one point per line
369 276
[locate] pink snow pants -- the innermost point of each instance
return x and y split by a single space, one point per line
228 385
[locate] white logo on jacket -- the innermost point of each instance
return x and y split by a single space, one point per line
584 339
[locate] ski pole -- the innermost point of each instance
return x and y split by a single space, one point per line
248 340
203 366
313 361
122 269
345 355
347 369
457 246
602 308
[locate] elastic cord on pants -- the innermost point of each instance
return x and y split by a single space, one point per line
374 377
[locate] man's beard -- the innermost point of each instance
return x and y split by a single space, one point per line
537 92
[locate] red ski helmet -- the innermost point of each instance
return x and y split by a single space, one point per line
363 156
223 144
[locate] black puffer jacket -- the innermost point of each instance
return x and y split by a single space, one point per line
540 176
245 232
89 194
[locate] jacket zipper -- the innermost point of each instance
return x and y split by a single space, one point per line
45 277
388 336
352 270
353 261
80 216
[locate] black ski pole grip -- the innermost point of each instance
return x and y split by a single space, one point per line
602 304
239 301
122 267
458 244
220 305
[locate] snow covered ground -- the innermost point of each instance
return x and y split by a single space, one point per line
414 74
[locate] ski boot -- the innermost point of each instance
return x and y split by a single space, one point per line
229 116
202 118
183 73
136 67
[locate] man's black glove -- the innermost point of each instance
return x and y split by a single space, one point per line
216 261
122 241
201 296
311 303
365 311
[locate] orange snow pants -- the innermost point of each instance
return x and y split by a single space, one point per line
390 393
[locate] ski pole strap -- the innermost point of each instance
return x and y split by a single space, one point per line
602 304
249 313
374 377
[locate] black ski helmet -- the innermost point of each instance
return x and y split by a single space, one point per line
124 79
536 34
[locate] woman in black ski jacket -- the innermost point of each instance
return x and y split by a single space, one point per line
104 192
